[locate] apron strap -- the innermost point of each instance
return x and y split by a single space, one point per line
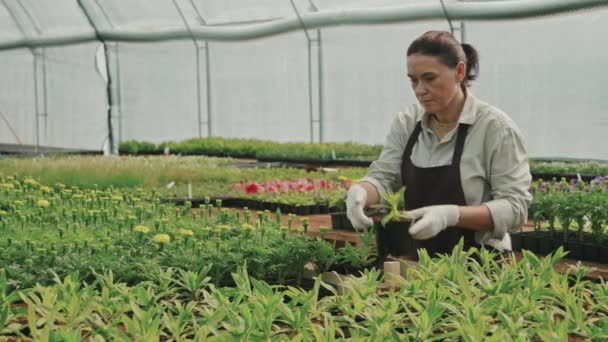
462 134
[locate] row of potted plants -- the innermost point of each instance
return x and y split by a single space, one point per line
269 150
253 148
572 214
444 298
558 169
59 229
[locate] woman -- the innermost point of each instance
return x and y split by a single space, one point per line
463 162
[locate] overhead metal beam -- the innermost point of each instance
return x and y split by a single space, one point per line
459 10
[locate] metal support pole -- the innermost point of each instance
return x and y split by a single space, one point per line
112 88
21 15
315 104
198 47
115 128
457 29
40 80
40 94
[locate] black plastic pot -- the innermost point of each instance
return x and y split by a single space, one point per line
591 252
302 210
530 241
393 239
336 221
323 209
543 243
575 249
545 246
339 221
283 207
603 254
516 241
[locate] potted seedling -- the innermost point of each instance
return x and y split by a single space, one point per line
391 224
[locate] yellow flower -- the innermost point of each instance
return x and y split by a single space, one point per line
141 228
117 198
161 238
343 178
187 232
30 181
223 227
247 226
8 186
46 189
43 203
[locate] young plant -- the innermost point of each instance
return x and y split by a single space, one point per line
395 206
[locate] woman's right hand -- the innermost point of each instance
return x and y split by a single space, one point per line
356 199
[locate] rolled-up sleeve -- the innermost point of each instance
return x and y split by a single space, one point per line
510 180
385 173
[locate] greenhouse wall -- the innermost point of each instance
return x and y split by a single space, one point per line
547 73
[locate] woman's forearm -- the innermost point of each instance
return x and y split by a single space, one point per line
476 217
373 197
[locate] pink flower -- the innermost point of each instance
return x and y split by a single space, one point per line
253 188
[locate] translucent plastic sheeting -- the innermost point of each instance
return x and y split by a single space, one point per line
158 99
141 13
17 105
550 76
260 88
362 4
365 79
54 17
218 12
8 27
77 102
546 73
70 112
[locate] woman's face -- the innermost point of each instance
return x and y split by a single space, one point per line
435 84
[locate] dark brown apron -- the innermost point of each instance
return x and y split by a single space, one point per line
433 186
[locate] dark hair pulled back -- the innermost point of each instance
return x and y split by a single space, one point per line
449 51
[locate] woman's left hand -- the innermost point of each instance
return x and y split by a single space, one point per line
432 220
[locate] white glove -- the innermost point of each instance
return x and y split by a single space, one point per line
355 202
433 220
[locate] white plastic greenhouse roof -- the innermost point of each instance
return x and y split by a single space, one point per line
297 70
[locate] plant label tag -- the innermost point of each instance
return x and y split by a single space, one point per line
189 190
170 185
578 175
333 154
